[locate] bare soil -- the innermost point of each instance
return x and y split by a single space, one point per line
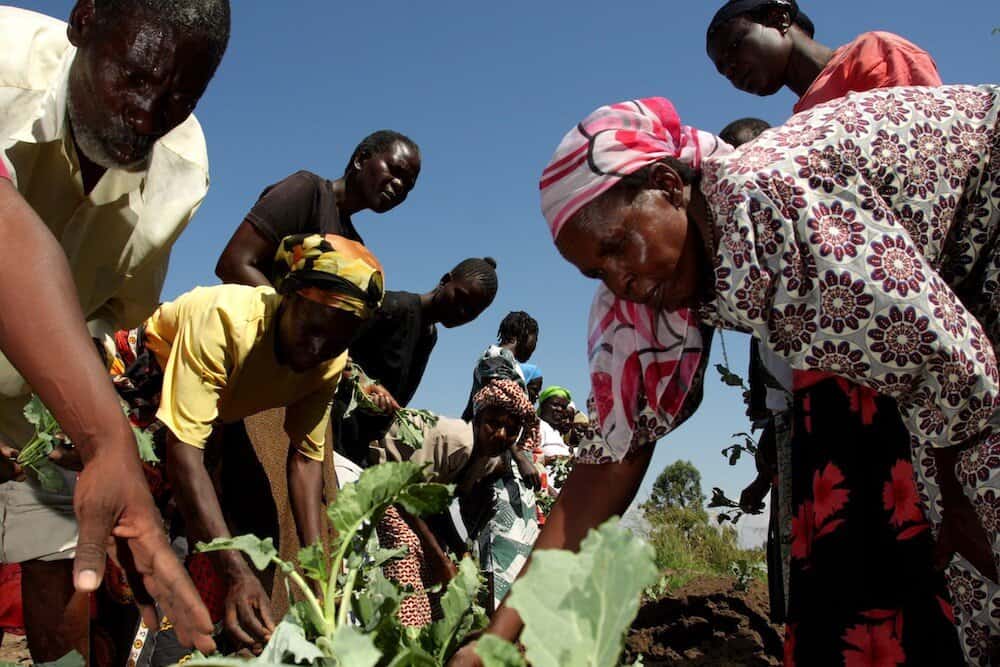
705 623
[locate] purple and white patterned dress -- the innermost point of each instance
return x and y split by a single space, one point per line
860 239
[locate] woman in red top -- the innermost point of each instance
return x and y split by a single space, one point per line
761 46
764 45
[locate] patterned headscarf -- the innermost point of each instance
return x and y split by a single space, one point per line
331 270
611 143
509 395
643 363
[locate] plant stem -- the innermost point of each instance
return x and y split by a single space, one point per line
314 607
335 566
345 598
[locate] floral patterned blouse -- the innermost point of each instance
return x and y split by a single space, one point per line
860 239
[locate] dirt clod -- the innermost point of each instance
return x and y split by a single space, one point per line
706 623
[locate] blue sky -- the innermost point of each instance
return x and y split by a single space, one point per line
487 90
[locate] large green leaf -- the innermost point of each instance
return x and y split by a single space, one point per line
39 416
353 649
458 604
49 476
288 644
377 487
576 607
426 498
312 561
375 609
496 652
72 659
261 552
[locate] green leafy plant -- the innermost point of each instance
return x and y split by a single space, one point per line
735 451
721 500
34 456
559 473
745 571
407 420
576 607
351 621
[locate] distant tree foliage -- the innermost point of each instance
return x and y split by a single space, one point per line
678 486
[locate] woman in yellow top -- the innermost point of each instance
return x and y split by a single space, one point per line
230 351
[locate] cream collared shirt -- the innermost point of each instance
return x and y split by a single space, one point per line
118 238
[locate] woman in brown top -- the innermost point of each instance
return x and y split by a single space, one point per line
380 174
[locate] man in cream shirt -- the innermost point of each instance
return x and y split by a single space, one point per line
97 133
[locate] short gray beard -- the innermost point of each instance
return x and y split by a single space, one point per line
88 143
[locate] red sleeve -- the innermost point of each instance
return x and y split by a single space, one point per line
894 61
3 171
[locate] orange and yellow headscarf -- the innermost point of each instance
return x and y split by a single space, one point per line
331 270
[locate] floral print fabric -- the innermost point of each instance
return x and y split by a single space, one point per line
844 235
864 590
644 367
860 240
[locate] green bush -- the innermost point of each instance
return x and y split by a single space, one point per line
688 545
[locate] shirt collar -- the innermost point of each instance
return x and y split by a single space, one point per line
50 123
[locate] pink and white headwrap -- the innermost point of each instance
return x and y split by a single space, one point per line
611 143
644 364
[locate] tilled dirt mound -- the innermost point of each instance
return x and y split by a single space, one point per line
707 623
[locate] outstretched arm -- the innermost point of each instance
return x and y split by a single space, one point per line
111 496
592 495
248 615
305 490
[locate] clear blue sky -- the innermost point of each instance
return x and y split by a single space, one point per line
487 90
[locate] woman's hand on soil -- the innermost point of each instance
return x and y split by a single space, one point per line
248 611
112 500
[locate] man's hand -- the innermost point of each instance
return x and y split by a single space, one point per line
381 397
248 611
112 499
529 473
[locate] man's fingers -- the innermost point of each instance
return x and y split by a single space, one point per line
91 548
265 615
126 561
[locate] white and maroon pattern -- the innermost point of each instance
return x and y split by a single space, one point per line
886 270
848 242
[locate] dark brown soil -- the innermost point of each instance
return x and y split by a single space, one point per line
706 623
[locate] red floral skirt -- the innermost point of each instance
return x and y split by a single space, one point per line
862 587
